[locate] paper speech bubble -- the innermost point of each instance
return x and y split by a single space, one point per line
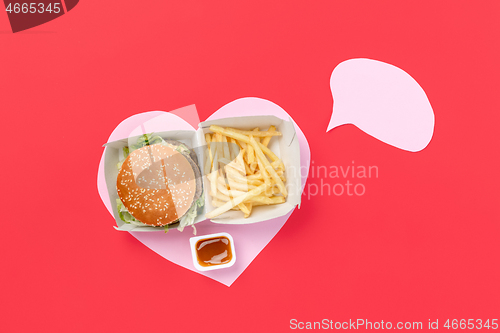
383 101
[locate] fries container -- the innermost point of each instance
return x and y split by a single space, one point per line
286 147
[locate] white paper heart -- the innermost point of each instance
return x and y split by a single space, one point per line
250 239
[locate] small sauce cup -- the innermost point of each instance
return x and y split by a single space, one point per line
214 251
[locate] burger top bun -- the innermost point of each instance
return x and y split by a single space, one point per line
156 184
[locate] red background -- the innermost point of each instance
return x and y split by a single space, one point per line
421 244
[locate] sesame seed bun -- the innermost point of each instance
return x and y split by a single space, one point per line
157 184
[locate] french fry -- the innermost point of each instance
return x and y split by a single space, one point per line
253 166
259 176
221 187
232 165
240 160
238 186
266 140
274 203
210 159
220 147
242 180
254 136
216 150
282 177
235 168
225 148
234 148
236 176
255 133
236 201
244 209
260 199
255 202
256 176
235 185
248 206
248 170
272 191
250 155
213 181
220 196
208 138
277 165
263 171
218 203
262 158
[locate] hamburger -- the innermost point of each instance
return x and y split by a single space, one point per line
159 184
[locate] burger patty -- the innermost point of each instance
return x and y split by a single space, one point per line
176 143
193 160
197 174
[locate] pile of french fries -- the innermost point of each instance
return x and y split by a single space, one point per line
243 171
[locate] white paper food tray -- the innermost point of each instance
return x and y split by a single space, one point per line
286 147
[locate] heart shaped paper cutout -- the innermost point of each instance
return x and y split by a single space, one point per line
249 240
26 15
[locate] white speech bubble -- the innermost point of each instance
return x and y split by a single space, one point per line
383 101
